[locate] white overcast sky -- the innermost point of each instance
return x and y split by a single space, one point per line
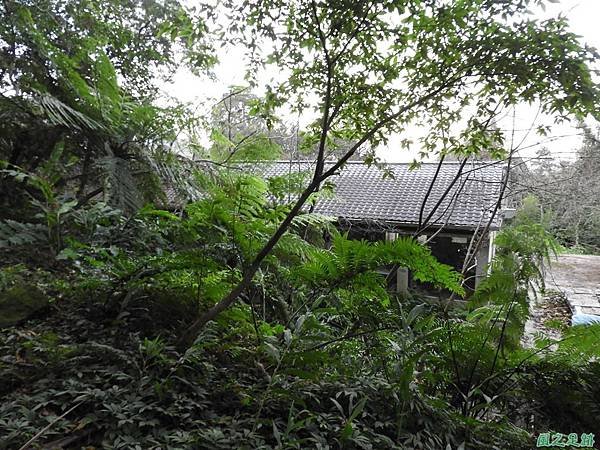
584 19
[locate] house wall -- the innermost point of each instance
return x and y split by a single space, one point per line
485 255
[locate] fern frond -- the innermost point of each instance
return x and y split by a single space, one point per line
59 113
180 176
349 258
121 186
14 233
313 220
293 245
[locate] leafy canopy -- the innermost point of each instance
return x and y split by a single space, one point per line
381 66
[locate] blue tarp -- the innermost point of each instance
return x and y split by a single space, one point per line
580 318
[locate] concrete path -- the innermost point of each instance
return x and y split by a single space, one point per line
578 278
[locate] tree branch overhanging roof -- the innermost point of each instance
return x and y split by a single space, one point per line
363 193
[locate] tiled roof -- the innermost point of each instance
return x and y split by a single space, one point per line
363 194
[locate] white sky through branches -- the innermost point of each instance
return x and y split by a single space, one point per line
563 140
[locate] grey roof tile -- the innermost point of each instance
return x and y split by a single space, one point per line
361 192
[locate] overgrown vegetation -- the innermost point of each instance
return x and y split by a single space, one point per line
319 354
568 191
239 318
